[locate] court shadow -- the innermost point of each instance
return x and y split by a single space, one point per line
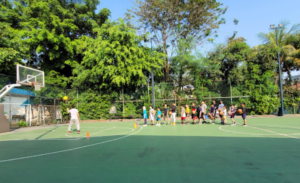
149 158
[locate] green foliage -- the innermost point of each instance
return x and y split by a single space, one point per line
22 123
114 58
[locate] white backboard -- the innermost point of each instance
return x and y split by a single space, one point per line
27 76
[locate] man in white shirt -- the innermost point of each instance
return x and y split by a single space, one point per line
74 119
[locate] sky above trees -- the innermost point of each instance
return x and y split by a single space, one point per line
254 16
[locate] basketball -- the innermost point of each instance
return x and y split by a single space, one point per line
65 98
221 113
153 112
159 116
170 113
31 83
240 111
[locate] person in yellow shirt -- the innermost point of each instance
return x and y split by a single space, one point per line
187 111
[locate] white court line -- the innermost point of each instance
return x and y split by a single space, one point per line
292 127
90 134
274 132
66 150
75 138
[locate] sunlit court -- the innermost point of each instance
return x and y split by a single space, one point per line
267 150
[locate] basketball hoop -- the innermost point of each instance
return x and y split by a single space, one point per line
37 85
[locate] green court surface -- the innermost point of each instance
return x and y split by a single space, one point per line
267 150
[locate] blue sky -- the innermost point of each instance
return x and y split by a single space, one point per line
254 16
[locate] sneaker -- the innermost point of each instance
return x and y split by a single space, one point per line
157 125
200 123
234 123
78 132
69 132
245 125
145 125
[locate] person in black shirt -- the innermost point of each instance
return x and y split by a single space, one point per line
216 108
244 114
199 112
166 113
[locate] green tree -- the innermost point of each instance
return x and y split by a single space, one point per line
287 51
11 49
114 59
53 30
170 20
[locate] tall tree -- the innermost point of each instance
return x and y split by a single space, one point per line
114 59
53 29
170 20
11 49
287 51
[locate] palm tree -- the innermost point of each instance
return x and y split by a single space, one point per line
287 51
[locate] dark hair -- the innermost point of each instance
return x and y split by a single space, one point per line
214 100
243 103
73 106
151 106
232 104
158 108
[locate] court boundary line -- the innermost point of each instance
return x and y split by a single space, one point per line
67 150
66 139
281 134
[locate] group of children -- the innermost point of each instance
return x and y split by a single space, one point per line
198 113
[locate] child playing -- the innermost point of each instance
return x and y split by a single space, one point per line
158 116
166 115
232 114
244 114
194 113
145 116
182 115
173 109
225 114
187 111
221 114
199 111
204 107
211 113
151 111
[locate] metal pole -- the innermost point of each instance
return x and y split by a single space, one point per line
280 83
153 94
77 99
123 98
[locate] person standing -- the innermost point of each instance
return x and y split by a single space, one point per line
221 108
145 115
244 114
199 111
166 115
232 114
194 113
216 108
173 110
182 115
187 111
74 119
204 107
151 114
158 116
212 112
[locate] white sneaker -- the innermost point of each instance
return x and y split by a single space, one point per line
200 123
157 124
145 125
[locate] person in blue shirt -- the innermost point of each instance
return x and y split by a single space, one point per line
158 119
145 116
212 112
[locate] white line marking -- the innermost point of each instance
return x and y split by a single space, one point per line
221 128
274 132
66 150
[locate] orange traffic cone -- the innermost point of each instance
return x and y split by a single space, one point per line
87 134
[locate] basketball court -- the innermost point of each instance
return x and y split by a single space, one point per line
267 150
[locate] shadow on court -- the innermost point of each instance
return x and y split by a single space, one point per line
154 159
